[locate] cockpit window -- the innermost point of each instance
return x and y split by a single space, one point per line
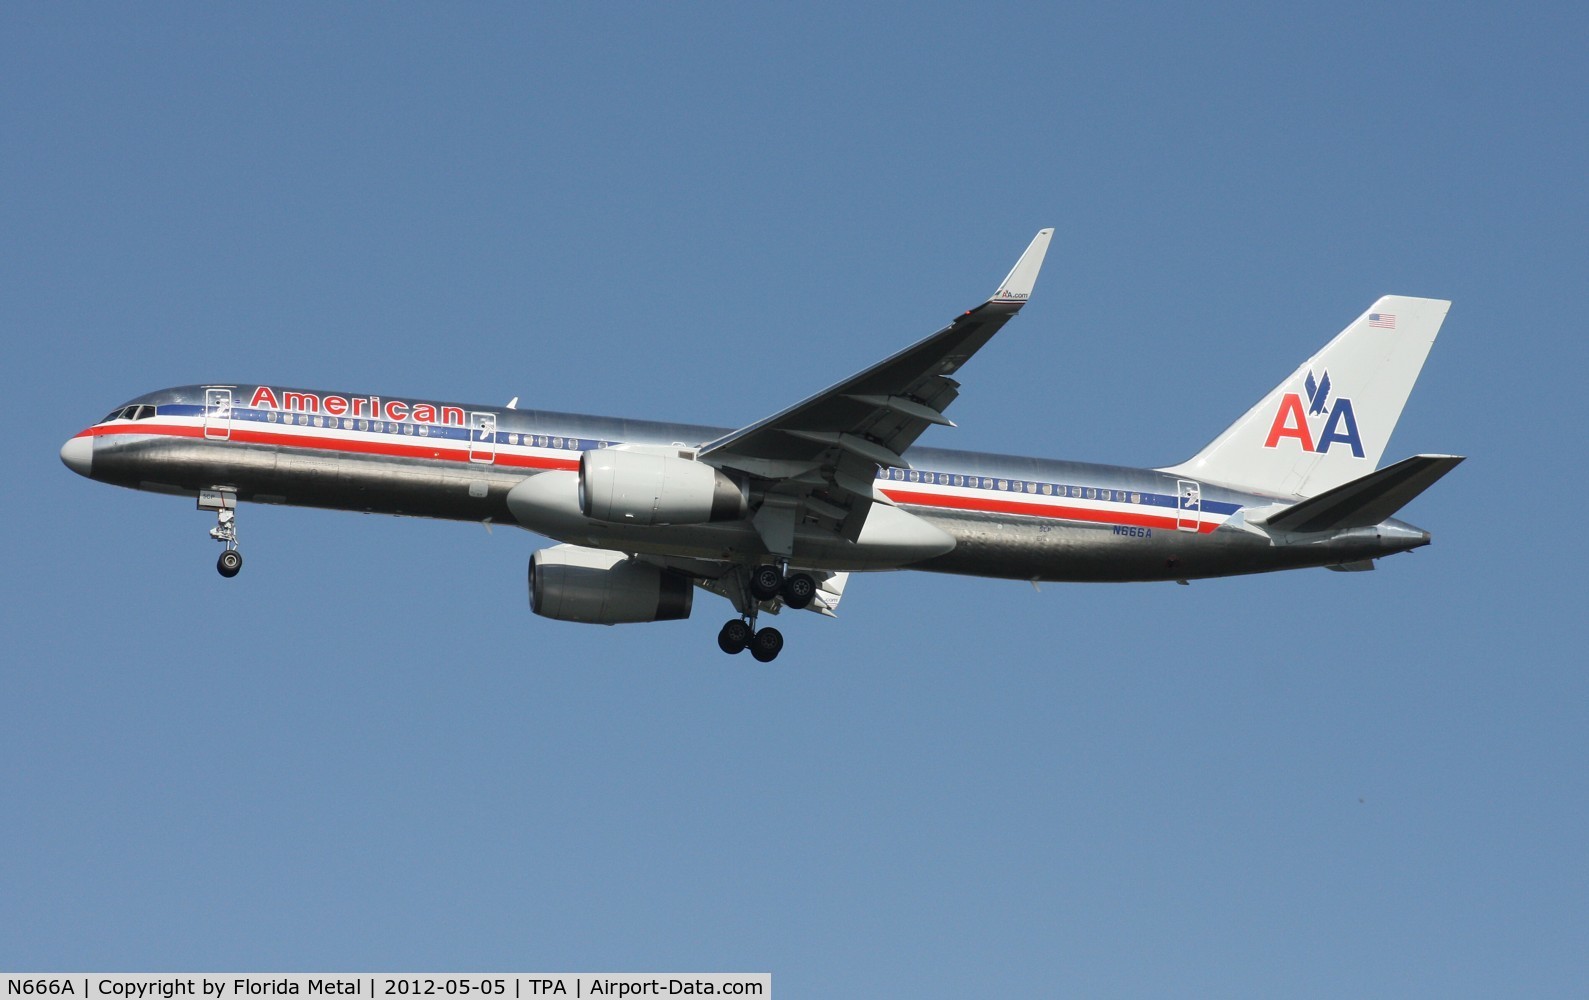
143 412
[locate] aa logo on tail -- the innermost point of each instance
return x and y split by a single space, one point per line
1291 419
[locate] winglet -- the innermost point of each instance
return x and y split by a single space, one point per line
1016 287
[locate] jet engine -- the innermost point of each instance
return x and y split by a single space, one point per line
629 487
574 584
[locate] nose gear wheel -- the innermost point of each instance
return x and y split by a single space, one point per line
224 503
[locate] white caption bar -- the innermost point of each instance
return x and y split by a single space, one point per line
384 985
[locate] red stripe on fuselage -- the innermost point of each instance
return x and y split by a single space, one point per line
460 454
357 447
1053 511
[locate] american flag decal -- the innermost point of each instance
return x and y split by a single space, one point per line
1382 321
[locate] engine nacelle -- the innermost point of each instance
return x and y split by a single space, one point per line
574 584
628 487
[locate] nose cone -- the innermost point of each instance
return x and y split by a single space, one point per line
78 454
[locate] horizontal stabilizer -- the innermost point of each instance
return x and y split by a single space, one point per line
1368 501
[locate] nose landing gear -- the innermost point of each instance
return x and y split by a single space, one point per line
224 503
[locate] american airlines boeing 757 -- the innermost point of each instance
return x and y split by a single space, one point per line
779 513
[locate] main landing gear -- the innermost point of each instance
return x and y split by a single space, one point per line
765 583
739 635
224 503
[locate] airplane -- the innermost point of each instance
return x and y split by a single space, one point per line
779 513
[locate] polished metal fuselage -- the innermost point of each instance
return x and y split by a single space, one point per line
1011 517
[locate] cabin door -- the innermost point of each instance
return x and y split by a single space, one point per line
1189 505
218 414
483 438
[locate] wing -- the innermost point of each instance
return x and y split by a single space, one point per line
819 457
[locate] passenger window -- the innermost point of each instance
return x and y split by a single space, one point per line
1048 489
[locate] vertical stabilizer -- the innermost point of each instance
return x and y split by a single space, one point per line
1328 423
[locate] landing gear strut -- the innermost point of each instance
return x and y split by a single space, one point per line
224 503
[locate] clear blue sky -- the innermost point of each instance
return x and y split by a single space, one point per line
366 753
